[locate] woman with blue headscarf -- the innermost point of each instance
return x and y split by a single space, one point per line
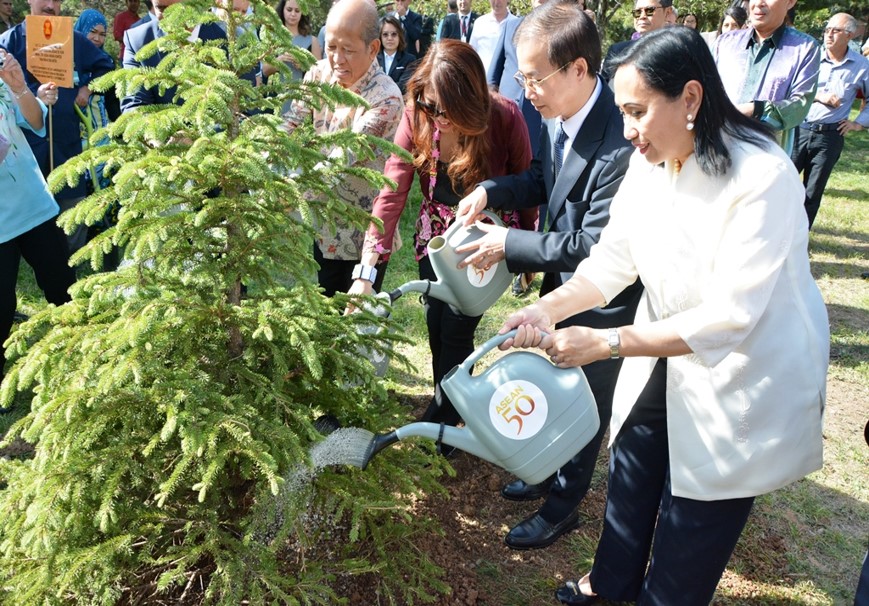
92 24
93 116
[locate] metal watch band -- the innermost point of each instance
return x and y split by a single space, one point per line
364 272
614 341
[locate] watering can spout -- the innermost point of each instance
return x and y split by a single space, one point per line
438 290
461 438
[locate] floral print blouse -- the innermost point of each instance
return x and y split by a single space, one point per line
510 153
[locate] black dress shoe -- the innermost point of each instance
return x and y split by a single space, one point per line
520 491
535 532
570 594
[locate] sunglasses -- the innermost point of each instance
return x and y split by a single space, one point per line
430 110
648 11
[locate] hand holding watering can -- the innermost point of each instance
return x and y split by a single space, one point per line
488 249
566 347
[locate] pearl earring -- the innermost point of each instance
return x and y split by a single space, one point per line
690 125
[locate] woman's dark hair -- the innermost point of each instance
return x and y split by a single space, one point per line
396 23
304 20
669 58
737 13
453 72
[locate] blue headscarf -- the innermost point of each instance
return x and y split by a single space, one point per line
88 19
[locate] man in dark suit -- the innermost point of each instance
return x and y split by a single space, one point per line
412 24
137 37
459 26
583 126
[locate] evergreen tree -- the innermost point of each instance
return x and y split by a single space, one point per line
168 404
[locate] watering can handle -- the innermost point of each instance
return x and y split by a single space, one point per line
486 347
495 218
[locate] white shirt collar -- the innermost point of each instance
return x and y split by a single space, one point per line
572 125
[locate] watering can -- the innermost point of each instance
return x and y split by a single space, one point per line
469 291
522 413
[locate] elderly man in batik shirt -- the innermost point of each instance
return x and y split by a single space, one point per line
351 47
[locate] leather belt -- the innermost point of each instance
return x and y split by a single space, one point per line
817 127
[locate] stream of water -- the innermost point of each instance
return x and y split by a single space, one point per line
345 446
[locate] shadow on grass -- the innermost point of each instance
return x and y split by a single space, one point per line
844 243
854 194
805 535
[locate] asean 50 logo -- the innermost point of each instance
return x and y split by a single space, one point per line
518 409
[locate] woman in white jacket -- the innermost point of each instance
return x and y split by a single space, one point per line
722 393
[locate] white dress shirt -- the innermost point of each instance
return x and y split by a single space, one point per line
572 125
485 36
387 61
724 261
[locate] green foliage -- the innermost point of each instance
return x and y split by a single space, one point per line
169 403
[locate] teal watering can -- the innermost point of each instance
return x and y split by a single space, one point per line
469 291
522 413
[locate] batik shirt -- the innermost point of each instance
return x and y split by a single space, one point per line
380 119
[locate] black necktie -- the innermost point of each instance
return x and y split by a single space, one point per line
558 156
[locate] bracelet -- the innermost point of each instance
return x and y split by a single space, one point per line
21 94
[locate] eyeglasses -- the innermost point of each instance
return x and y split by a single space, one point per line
834 30
430 110
648 11
534 82
389 35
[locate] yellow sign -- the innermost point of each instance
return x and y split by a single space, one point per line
50 48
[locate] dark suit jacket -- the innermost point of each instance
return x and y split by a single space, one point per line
401 69
412 28
453 26
607 71
579 201
137 37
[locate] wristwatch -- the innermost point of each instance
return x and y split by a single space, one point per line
614 341
364 272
